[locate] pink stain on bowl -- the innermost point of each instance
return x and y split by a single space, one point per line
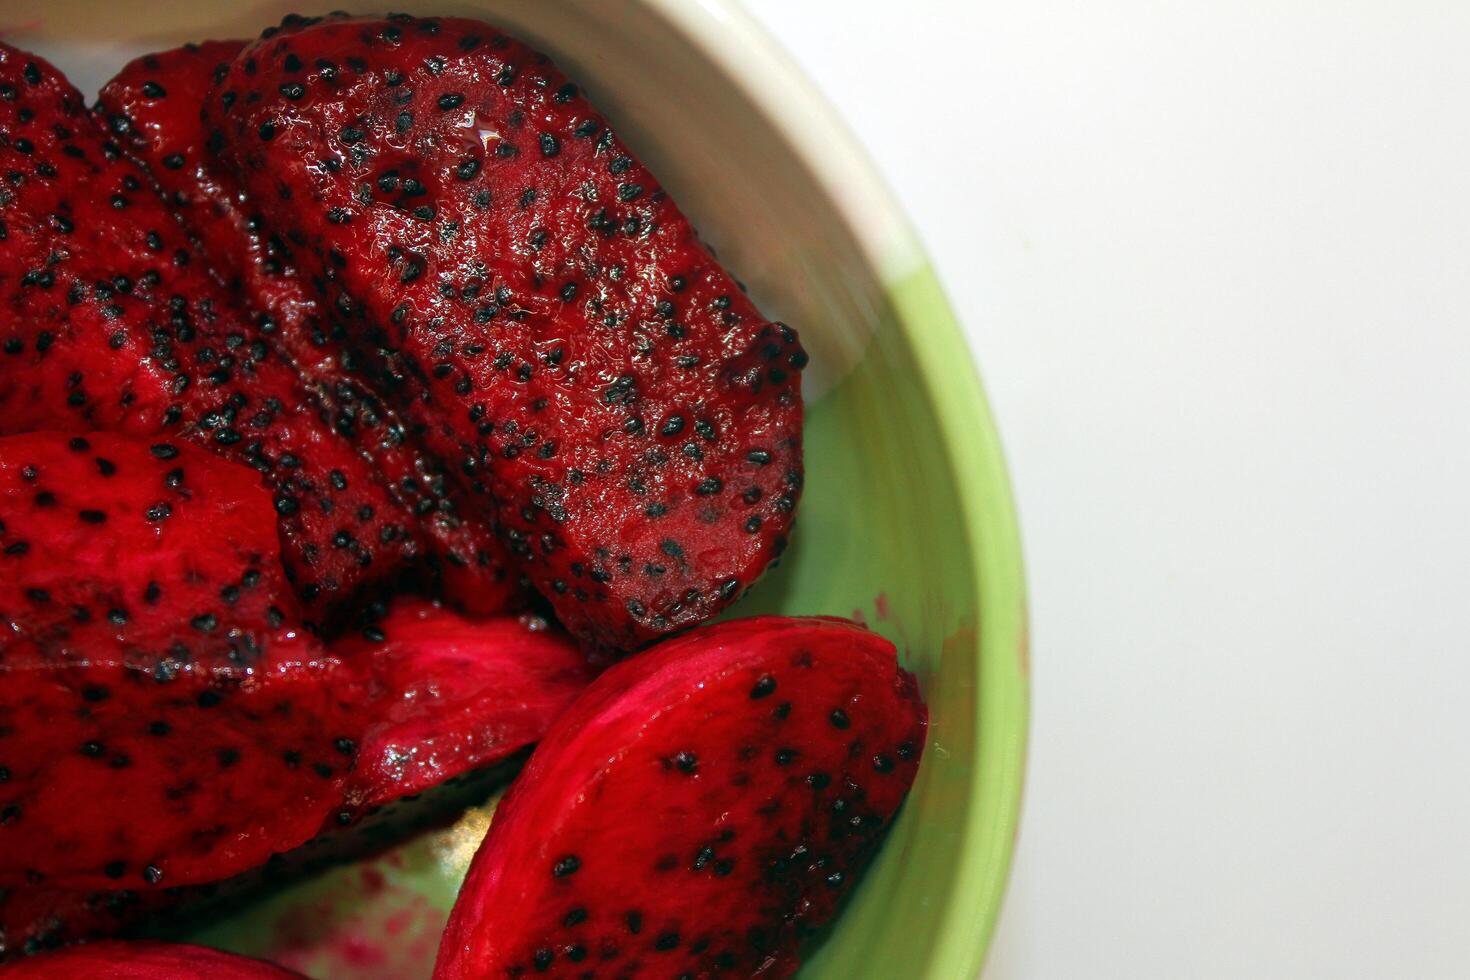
361 953
366 926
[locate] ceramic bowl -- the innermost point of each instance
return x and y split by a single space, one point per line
906 523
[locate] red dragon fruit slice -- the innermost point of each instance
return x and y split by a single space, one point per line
164 721
535 298
455 694
162 714
152 106
113 323
700 809
143 961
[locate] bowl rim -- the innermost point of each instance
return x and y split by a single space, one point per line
749 58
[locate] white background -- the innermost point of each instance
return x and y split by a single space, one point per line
1214 260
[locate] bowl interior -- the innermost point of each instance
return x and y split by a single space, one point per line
906 520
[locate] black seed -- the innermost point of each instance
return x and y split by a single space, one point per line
566 93
451 100
158 512
92 749
881 763
550 145
634 922
566 866
686 762
267 130
152 875
575 917
93 516
709 485
95 693
467 169
163 450
293 90
351 135
819 780
839 718
115 869
346 746
159 728
666 942
784 757
542 959
764 687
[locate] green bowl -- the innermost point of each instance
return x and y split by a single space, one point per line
906 523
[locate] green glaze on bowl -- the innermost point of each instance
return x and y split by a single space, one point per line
906 521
